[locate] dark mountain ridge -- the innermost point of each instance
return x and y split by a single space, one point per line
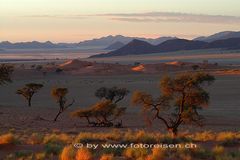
29 45
137 47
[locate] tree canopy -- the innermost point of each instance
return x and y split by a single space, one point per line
5 73
113 94
29 90
59 94
182 95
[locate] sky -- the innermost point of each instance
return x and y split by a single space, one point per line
77 20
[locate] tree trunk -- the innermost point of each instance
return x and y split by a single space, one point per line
55 119
173 131
29 102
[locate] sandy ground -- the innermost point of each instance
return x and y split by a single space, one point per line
223 113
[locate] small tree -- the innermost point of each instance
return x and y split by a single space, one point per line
5 73
59 94
28 91
195 67
102 113
113 94
184 93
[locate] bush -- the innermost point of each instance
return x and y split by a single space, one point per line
57 139
225 136
83 154
68 153
230 142
218 150
40 156
204 136
53 149
24 154
157 154
135 153
35 138
7 139
107 157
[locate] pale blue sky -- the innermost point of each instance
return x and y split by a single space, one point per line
75 20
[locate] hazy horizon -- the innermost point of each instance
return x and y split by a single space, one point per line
78 20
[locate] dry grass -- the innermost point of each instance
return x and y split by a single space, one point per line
135 153
218 150
157 154
107 157
60 145
7 138
35 138
68 153
57 138
203 136
83 154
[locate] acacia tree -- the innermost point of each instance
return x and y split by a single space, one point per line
28 91
5 73
182 96
113 94
101 114
59 94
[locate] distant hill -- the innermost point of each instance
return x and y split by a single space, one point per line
137 47
109 40
134 47
219 36
231 43
115 46
179 44
30 45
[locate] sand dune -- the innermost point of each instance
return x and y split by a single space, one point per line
84 67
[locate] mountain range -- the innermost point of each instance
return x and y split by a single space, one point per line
30 45
110 42
137 47
219 36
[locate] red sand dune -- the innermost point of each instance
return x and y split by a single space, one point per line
84 67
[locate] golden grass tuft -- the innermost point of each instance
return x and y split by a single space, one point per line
68 153
135 153
7 138
57 138
204 136
223 136
35 138
83 154
218 150
157 154
107 157
40 156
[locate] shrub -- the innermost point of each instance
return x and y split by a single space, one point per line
222 136
7 139
135 153
57 139
35 138
157 154
107 157
40 156
83 154
68 153
24 155
230 142
218 150
204 136
53 149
